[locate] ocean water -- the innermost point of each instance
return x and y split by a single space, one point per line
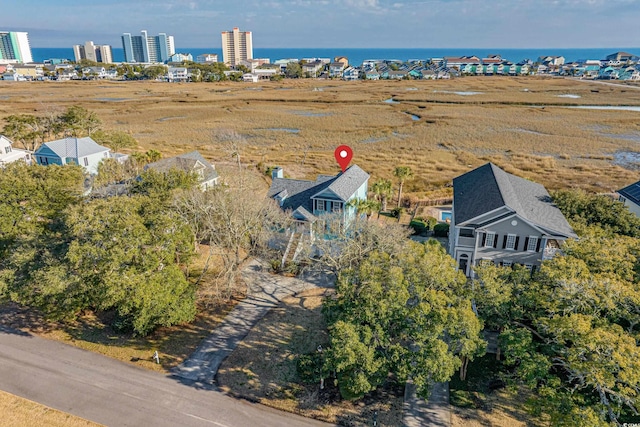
357 56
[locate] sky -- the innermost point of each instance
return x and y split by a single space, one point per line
333 23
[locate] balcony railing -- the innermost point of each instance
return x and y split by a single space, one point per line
466 241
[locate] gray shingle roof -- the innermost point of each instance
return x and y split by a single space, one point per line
74 147
631 192
299 192
186 162
488 188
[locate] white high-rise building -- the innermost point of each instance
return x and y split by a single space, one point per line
95 53
236 46
145 48
14 47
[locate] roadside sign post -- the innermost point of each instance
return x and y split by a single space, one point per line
156 357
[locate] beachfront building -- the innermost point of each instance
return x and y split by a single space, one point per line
15 47
147 49
91 52
236 46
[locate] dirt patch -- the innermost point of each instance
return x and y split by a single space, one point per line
263 368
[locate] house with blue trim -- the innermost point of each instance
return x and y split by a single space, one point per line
309 201
80 151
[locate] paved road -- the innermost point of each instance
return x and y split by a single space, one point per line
266 290
114 393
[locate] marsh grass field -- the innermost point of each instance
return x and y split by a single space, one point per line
528 125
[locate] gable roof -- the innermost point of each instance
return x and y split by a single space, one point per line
299 193
488 188
74 148
631 192
186 162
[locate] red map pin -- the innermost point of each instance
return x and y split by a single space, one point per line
343 155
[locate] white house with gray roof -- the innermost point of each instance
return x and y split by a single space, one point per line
8 154
80 151
504 219
309 200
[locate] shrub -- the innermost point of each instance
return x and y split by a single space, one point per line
419 226
431 222
441 230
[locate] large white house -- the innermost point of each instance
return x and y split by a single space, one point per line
9 154
504 219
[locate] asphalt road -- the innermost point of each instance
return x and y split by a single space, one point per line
114 393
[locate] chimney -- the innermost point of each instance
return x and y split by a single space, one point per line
277 172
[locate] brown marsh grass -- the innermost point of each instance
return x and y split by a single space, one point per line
521 124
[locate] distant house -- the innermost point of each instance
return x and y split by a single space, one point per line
308 201
622 57
503 219
8 154
397 75
80 151
351 73
336 69
312 68
372 75
189 162
630 196
95 72
178 74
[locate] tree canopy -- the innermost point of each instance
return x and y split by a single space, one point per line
570 331
405 313
64 254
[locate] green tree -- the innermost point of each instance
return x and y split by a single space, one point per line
570 331
27 129
152 72
402 173
590 209
293 70
407 314
79 121
382 190
365 206
124 254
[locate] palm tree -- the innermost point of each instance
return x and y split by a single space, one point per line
382 190
365 206
402 173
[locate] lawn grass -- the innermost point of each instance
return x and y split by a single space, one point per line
481 400
557 146
263 368
18 412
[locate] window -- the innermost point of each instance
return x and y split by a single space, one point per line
529 267
7 149
86 161
507 263
532 244
336 206
320 205
490 240
510 243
